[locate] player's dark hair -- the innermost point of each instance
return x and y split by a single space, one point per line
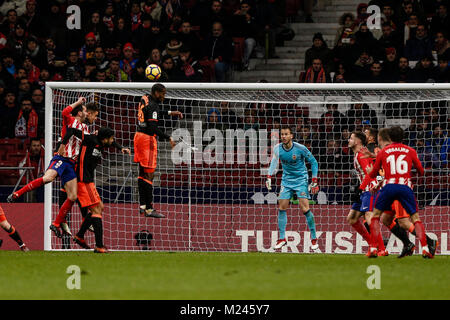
287 127
361 136
105 133
92 106
396 134
76 110
373 133
384 134
158 87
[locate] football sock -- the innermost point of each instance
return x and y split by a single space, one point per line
420 233
142 192
399 233
31 186
282 221
375 232
85 226
12 232
359 227
84 211
412 230
98 231
311 224
65 208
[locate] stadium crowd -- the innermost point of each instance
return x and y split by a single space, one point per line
193 41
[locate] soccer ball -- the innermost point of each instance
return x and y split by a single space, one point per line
153 72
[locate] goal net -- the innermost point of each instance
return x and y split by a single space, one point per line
211 186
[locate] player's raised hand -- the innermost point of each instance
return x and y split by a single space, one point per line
314 186
172 143
177 113
269 183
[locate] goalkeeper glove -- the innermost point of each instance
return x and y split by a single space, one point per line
314 186
269 183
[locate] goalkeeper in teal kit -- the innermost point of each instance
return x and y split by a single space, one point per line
293 157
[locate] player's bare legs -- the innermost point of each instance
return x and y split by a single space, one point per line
12 232
48 177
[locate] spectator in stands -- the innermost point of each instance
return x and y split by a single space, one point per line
422 130
33 20
135 15
9 63
122 33
9 111
89 69
74 66
419 46
410 133
17 40
87 50
188 69
128 63
389 15
424 153
405 73
319 50
377 74
168 69
100 58
213 119
229 118
9 23
34 158
244 26
32 71
172 48
216 13
138 74
37 99
37 52
24 88
21 73
100 75
341 75
268 23
250 120
347 27
361 68
360 111
361 14
190 39
390 65
425 71
443 75
332 158
366 40
316 73
114 73
152 8
142 34
154 58
218 49
442 45
27 121
157 37
440 144
441 21
408 8
390 38
335 116
409 30
97 27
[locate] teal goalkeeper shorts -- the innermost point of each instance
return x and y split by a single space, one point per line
286 193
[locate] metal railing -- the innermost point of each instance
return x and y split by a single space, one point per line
23 171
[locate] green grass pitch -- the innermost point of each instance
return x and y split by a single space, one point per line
219 276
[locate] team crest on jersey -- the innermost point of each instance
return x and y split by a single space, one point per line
294 157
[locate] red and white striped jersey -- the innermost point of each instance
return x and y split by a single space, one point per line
361 164
397 160
74 144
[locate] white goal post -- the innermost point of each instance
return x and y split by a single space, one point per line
211 186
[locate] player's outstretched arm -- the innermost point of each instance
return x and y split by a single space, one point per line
119 147
176 114
314 185
272 168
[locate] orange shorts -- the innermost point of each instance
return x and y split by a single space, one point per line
145 151
2 215
87 194
397 210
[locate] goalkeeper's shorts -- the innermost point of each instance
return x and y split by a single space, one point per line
145 150
87 194
286 193
2 215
